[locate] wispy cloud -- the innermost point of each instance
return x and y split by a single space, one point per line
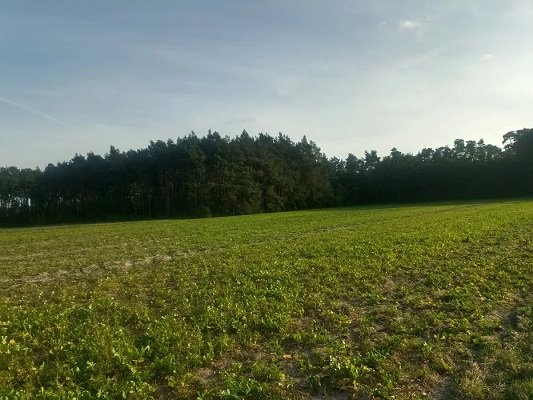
410 25
421 59
418 26
37 112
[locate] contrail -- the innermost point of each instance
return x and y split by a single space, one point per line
36 112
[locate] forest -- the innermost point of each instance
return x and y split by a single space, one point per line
216 175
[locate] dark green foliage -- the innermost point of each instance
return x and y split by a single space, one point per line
215 175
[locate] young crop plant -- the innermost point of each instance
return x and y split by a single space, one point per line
427 301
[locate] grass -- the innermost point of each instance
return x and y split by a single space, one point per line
420 302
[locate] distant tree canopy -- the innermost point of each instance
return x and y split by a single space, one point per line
215 175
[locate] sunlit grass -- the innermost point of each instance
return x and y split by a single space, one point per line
391 302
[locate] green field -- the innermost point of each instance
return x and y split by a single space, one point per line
412 302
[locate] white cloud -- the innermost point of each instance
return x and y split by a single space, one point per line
419 27
488 57
409 25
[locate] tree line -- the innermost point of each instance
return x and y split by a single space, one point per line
215 175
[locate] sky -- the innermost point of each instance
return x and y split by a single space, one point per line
79 76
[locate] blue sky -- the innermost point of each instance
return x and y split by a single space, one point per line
79 76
